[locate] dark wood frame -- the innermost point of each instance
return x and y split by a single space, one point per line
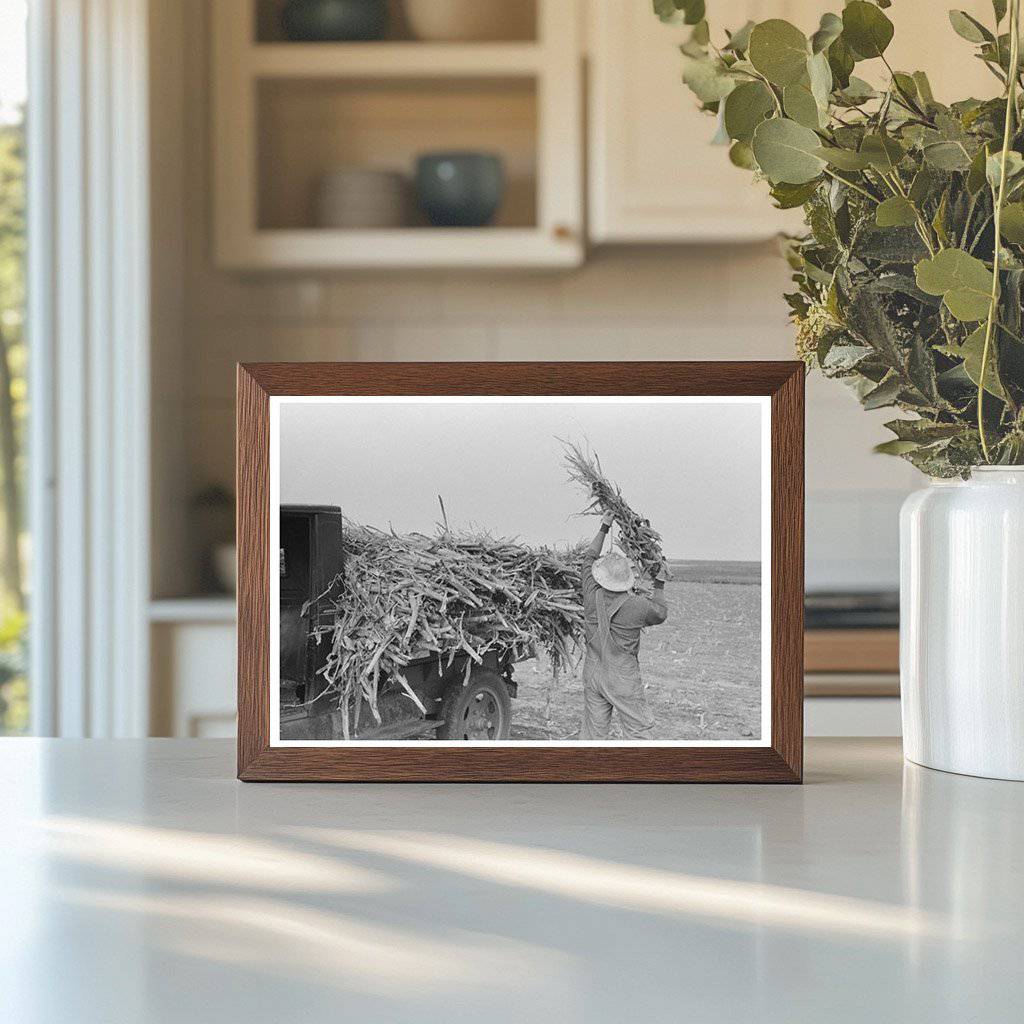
782 761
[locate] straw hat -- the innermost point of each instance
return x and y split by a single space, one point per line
614 572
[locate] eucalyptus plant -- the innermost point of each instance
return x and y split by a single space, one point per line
910 277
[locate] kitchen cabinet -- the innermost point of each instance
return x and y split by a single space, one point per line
287 114
654 177
193 674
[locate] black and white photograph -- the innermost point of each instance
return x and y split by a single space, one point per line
520 570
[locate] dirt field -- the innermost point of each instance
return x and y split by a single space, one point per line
702 669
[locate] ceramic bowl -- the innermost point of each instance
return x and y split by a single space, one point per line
470 20
460 189
333 21
359 197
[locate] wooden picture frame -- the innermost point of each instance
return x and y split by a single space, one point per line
779 760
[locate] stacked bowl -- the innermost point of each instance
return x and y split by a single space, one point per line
362 197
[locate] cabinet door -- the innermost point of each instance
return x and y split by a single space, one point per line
654 176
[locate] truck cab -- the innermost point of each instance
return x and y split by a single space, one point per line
311 558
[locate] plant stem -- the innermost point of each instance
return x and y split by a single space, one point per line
775 98
896 186
853 185
980 232
1011 109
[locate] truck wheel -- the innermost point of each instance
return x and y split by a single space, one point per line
480 710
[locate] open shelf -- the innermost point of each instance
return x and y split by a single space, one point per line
286 114
309 127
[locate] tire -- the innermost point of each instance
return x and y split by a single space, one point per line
480 710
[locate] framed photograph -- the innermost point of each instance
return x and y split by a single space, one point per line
579 572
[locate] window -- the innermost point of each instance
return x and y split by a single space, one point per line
14 693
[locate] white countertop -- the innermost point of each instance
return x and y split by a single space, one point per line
140 882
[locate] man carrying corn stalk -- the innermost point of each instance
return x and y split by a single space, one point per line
614 619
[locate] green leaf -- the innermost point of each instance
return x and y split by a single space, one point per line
829 30
971 351
693 11
924 87
969 28
801 106
819 75
890 245
1012 224
976 173
993 167
895 212
779 51
666 10
963 281
870 323
788 197
921 370
707 78
866 29
690 12
857 91
739 41
787 151
883 152
885 394
939 220
840 61
923 431
844 159
701 34
947 156
922 185
895 447
905 84
745 108
741 155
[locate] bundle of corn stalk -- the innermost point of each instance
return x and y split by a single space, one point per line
638 539
405 598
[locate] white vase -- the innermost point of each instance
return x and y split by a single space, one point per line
962 624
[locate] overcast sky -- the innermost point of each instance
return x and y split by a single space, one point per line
692 469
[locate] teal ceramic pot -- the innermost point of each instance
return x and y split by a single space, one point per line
460 189
334 21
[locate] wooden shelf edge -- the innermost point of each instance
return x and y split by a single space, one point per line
851 684
392 60
852 650
413 247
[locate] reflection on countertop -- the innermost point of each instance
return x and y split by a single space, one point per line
143 883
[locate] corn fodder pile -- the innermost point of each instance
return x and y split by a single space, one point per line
406 597
637 538
403 598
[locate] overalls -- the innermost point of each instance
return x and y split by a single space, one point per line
611 671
